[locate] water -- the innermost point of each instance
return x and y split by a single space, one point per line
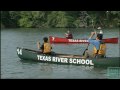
14 68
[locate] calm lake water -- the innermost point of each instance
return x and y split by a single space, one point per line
14 68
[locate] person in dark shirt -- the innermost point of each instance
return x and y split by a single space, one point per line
69 35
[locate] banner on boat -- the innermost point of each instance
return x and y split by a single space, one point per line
65 60
77 40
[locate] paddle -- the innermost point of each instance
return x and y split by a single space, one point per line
86 49
38 45
89 43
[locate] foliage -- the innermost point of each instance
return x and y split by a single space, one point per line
38 19
5 18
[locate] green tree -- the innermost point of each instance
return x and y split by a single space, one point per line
14 16
5 18
26 19
114 17
59 19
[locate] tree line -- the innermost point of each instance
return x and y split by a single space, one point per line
59 19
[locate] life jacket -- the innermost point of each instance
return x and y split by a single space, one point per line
47 48
102 49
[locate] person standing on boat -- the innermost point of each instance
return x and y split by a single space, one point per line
69 35
99 50
46 46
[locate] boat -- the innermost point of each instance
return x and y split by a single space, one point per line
53 39
67 59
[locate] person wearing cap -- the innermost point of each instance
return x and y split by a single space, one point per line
101 32
99 49
69 35
99 28
46 47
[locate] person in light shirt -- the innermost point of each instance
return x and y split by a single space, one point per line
99 49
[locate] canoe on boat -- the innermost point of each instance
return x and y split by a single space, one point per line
28 54
53 39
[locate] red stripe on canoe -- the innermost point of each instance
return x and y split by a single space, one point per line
64 40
